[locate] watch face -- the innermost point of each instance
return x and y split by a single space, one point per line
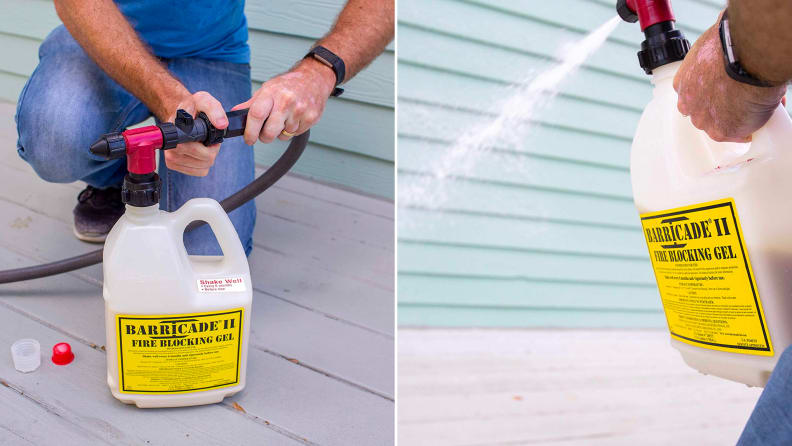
726 40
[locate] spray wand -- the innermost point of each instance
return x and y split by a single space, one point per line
142 185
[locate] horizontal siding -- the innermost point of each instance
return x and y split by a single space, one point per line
542 232
498 316
305 18
356 133
10 85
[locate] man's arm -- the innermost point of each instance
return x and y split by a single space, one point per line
362 31
106 36
104 33
724 108
294 101
762 37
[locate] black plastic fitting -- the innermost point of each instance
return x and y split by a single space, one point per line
170 135
213 134
110 146
141 190
664 44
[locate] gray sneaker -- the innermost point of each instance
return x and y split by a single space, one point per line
96 212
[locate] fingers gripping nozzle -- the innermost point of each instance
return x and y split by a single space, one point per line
185 128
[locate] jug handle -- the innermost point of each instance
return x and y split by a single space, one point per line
776 132
213 214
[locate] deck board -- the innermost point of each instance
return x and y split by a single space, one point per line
560 387
320 367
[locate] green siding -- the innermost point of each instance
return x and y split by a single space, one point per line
554 242
351 146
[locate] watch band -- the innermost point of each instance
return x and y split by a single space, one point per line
733 67
330 59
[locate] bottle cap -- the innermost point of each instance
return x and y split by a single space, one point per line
62 354
26 354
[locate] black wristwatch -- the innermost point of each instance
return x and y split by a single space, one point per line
329 58
732 65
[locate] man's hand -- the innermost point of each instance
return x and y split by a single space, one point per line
724 108
293 102
194 158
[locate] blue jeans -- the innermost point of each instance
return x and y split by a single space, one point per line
69 102
771 420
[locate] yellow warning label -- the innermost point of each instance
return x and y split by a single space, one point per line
705 279
178 353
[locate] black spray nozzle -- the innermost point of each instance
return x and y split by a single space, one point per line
627 14
110 146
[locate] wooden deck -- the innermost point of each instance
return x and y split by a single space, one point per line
561 388
320 368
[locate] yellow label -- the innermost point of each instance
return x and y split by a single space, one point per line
705 279
178 353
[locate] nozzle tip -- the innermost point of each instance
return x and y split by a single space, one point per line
100 147
625 12
109 146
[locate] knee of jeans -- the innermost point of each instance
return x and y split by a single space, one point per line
52 149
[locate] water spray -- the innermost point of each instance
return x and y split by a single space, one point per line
513 120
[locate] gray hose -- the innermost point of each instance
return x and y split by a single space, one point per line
247 193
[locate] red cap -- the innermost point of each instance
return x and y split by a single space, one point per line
62 354
140 145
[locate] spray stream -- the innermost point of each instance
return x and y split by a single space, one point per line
507 130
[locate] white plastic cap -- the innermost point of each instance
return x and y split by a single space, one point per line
26 354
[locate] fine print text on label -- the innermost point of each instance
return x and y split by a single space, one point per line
222 285
705 278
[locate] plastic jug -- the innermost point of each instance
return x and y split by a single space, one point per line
177 325
717 219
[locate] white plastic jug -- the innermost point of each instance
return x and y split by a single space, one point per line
177 325
717 218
